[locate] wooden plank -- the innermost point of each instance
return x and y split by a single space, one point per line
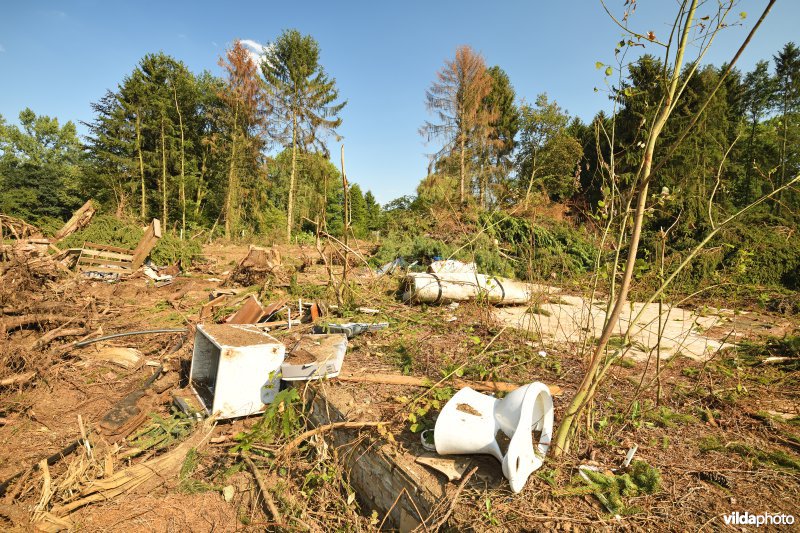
92 268
146 245
110 256
116 249
84 260
80 219
107 255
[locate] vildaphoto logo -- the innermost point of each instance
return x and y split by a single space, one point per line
747 519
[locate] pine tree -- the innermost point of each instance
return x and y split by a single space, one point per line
787 73
457 99
305 99
246 121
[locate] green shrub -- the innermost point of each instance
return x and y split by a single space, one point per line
112 231
542 249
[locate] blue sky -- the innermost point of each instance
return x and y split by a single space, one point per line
57 57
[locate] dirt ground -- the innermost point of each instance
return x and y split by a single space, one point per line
721 430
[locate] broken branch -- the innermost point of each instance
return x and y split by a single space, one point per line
413 381
294 443
265 494
443 520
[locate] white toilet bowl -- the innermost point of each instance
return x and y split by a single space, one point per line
469 423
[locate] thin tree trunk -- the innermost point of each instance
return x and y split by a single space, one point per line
343 285
199 195
533 175
183 158
290 203
588 386
463 168
141 163
121 201
231 177
782 181
163 177
482 191
751 158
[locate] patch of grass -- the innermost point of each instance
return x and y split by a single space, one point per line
779 458
789 346
548 475
689 371
667 418
624 362
537 309
404 358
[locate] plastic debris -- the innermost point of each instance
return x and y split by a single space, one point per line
392 266
452 266
351 329
315 357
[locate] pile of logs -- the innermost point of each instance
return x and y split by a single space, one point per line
17 228
29 258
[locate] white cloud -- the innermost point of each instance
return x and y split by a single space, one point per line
2 49
256 50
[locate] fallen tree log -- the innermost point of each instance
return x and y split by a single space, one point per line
58 333
414 381
16 322
17 379
80 219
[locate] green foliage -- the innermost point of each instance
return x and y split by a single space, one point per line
171 249
488 513
42 169
548 154
318 191
154 137
186 483
775 459
411 248
303 97
106 229
748 253
112 231
162 432
418 415
612 490
542 250
280 420
788 346
667 418
404 357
